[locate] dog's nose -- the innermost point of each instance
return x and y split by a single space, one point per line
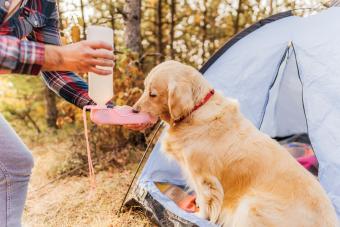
136 109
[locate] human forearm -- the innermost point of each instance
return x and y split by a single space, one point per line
70 87
53 58
20 56
28 57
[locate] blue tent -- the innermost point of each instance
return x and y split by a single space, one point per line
285 72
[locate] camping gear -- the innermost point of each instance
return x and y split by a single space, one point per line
308 161
101 92
185 200
100 87
285 72
304 154
299 146
299 138
119 115
298 150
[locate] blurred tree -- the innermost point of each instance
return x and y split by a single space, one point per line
334 3
51 108
159 25
132 18
82 13
172 27
21 101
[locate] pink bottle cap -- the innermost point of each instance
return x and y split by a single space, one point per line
119 115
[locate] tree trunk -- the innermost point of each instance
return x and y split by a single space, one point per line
112 14
83 17
50 99
172 28
237 19
51 108
159 32
204 29
61 27
334 3
132 17
271 7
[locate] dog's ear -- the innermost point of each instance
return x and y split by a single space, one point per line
180 99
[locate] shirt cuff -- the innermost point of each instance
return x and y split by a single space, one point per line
31 58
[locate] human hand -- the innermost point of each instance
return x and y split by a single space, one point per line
139 127
81 57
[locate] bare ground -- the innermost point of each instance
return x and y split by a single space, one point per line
69 201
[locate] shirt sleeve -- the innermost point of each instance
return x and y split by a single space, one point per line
20 56
68 85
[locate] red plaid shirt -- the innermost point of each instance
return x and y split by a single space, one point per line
37 21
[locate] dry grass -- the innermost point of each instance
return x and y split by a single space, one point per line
67 202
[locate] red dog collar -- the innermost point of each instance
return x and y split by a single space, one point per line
198 105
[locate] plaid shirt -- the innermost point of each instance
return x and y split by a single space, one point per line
37 21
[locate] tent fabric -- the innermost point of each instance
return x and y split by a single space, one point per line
282 89
285 111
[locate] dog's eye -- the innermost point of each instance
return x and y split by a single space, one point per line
151 94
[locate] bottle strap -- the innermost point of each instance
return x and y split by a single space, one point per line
89 158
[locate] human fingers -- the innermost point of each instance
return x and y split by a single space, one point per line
136 127
104 54
103 72
99 45
101 62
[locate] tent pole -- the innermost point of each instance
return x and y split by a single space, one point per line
139 165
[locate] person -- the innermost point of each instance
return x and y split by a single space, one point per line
30 44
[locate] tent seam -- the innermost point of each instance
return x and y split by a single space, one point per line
264 109
302 97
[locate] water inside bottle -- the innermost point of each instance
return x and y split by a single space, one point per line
100 87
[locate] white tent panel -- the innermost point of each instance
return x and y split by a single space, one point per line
318 54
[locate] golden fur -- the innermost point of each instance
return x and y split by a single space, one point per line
241 176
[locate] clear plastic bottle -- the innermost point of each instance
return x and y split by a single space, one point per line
100 87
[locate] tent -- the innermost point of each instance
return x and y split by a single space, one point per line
285 72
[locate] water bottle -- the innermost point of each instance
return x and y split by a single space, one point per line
100 87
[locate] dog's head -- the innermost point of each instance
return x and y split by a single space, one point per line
171 91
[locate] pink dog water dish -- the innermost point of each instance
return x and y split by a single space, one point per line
119 115
113 116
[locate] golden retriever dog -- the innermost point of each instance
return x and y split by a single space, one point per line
242 177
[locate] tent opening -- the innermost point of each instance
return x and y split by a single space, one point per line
284 117
284 114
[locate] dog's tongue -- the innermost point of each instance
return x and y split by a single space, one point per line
120 115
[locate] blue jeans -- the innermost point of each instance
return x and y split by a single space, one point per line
16 163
